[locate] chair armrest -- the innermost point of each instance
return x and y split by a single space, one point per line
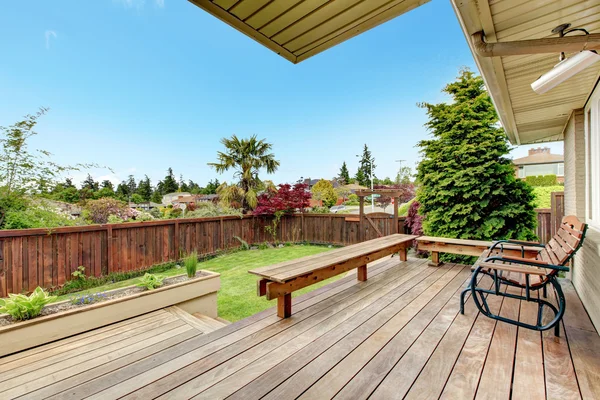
527 261
517 242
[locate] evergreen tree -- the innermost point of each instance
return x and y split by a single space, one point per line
90 184
193 187
156 197
468 187
68 183
106 184
122 191
131 185
211 187
344 175
183 187
367 161
361 179
144 188
169 184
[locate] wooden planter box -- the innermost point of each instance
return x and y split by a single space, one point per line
194 295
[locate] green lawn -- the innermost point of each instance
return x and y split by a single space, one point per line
237 298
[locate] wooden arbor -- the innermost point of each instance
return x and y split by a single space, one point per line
393 193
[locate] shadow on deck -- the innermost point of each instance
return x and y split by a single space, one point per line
397 335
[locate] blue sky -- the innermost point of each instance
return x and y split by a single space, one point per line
141 86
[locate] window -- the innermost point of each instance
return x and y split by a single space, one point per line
521 172
561 170
592 159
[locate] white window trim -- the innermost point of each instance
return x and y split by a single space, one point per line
592 160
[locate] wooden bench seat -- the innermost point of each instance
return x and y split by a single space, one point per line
437 245
279 281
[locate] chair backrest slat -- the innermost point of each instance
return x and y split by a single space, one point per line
567 240
554 247
574 223
572 241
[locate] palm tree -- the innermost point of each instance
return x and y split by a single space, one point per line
248 157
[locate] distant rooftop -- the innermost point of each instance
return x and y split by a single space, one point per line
539 155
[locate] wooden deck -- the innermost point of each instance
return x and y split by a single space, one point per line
397 335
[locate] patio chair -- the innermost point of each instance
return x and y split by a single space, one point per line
528 274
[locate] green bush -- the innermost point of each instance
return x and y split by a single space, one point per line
320 210
403 209
191 264
541 180
543 195
37 217
22 307
151 281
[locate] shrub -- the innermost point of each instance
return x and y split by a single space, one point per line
414 221
213 210
541 180
320 210
286 200
191 264
21 307
38 217
150 281
543 195
403 209
323 190
98 211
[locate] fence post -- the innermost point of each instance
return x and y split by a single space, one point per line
221 234
176 240
109 248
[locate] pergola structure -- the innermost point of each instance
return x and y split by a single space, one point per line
393 193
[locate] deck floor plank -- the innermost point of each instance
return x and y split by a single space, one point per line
397 335
528 377
402 324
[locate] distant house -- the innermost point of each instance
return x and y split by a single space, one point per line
170 197
540 162
145 206
312 182
353 187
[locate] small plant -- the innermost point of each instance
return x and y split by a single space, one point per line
79 273
272 229
21 307
150 281
263 246
243 244
87 298
191 264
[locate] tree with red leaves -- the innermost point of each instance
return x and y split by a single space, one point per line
285 200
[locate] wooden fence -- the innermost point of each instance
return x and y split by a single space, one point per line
548 219
47 258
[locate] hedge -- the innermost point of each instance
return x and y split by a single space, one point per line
541 180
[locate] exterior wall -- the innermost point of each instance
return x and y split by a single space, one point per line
586 265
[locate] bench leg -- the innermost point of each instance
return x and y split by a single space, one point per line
362 273
403 254
284 306
435 259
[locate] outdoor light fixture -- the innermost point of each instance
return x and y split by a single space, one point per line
567 67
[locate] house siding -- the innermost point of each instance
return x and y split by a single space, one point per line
586 265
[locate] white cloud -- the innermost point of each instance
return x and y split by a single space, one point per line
49 34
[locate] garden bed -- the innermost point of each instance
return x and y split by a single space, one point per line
63 319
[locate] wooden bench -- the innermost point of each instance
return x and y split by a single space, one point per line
437 245
279 281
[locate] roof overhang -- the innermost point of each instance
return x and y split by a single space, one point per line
527 116
299 29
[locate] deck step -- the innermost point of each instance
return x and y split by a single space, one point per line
210 324
199 321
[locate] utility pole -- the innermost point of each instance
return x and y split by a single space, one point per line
399 169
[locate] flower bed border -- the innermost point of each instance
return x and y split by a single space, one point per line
194 295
